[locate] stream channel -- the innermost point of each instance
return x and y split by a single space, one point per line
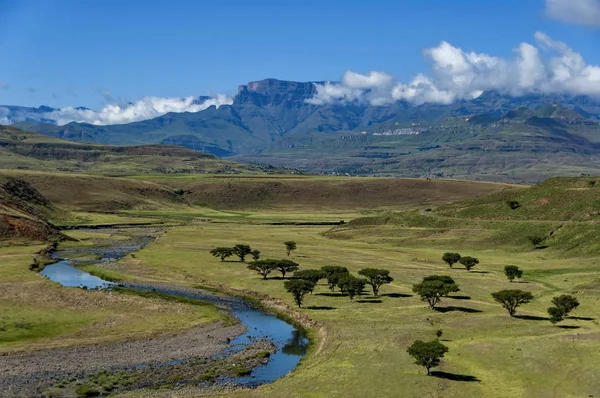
290 342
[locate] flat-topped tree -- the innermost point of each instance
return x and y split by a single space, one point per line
333 274
351 285
434 287
427 353
255 254
469 262
263 267
512 299
299 288
313 275
451 258
285 266
512 272
222 252
376 278
241 251
290 246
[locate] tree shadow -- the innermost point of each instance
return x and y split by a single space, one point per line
369 301
541 247
320 308
330 294
396 295
479 272
568 327
454 376
460 297
520 281
460 309
530 317
581 318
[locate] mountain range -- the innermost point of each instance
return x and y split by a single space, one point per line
494 136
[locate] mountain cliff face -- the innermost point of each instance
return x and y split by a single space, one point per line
494 136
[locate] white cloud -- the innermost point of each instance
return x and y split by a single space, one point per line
547 67
580 12
145 108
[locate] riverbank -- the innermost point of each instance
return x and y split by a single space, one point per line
28 374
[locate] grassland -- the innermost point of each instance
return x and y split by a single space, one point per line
363 351
38 313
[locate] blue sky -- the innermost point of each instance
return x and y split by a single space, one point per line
61 53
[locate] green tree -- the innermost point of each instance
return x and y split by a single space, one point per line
556 314
263 267
469 262
511 299
241 251
255 254
333 274
222 252
290 246
427 353
536 241
451 258
313 275
512 272
351 285
439 333
434 287
566 302
563 305
299 288
376 278
285 266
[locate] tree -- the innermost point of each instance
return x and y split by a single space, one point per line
513 204
565 302
290 246
241 251
376 278
536 241
512 272
469 262
563 305
263 267
427 353
439 333
511 299
299 288
351 285
313 275
255 254
556 314
333 274
285 266
451 258
434 287
222 252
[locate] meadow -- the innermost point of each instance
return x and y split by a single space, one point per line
363 349
359 349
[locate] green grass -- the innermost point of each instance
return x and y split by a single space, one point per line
363 348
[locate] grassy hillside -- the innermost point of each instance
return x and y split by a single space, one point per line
30 151
562 213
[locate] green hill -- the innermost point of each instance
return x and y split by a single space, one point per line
31 151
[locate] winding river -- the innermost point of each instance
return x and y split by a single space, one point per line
290 342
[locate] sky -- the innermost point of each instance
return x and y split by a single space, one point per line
160 55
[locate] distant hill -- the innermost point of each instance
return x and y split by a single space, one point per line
494 136
30 151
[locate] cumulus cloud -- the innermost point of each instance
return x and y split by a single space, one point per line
580 12
546 67
145 108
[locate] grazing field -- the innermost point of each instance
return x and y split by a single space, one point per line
38 313
364 348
